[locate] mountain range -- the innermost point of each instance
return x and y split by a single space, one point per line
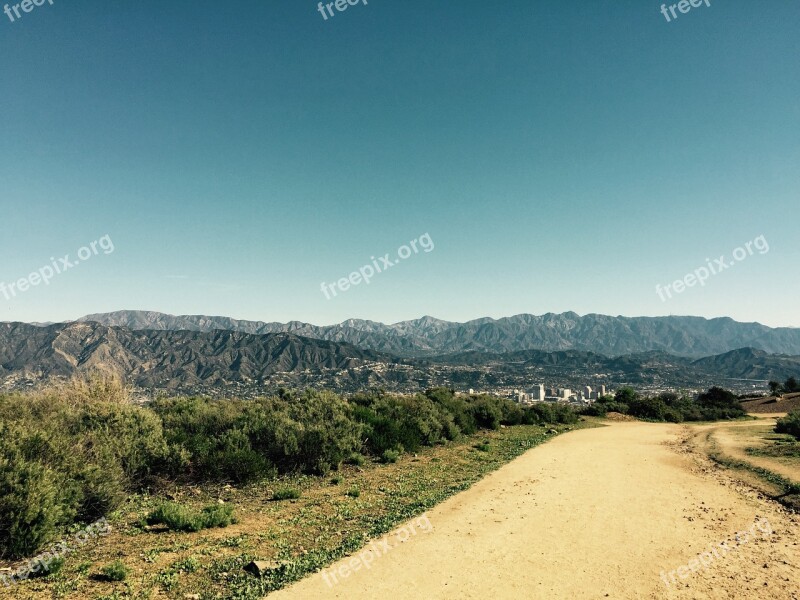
199 354
168 359
693 337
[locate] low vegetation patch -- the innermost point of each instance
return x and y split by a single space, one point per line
789 424
182 518
778 450
72 454
713 405
482 446
286 493
298 537
784 491
116 571
390 456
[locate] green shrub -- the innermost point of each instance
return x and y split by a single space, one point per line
116 571
353 492
356 458
286 493
311 433
34 504
545 412
69 454
457 407
73 453
717 403
336 480
565 414
390 456
176 516
712 405
48 567
653 409
213 439
218 515
247 440
789 424
487 413
407 421
182 518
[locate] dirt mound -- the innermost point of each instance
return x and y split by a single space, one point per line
773 404
615 416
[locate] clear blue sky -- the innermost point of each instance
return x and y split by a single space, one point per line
561 155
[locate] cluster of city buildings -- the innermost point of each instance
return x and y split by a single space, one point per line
585 395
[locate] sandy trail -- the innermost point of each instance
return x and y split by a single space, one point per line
596 513
734 438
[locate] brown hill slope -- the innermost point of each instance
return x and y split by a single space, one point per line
786 403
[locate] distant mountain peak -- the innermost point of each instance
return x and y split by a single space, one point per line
687 336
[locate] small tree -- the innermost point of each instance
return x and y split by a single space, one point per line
625 395
716 397
774 388
789 424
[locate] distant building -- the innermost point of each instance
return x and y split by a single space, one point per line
601 391
537 393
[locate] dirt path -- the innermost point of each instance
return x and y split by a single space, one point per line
734 438
596 513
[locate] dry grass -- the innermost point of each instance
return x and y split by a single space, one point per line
95 386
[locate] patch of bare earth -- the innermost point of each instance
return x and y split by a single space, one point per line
773 404
734 439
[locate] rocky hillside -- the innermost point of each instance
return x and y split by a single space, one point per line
172 359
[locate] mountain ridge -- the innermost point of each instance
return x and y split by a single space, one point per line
171 359
694 337
202 361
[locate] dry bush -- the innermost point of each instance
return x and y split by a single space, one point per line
89 388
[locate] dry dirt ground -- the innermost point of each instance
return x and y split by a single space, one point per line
734 438
773 404
596 513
